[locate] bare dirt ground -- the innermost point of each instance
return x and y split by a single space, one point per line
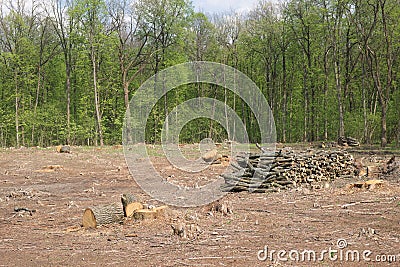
48 232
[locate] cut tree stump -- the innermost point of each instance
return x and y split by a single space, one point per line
131 208
145 214
101 215
210 156
126 200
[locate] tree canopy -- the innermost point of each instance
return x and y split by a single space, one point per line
68 68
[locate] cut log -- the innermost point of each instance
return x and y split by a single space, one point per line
145 214
210 156
101 215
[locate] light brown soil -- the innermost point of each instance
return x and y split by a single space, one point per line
292 220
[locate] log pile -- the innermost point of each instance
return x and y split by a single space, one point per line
275 171
348 141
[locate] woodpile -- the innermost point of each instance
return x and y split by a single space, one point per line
275 171
348 141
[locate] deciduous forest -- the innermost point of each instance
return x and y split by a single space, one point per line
68 68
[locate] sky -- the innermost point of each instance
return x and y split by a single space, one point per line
220 6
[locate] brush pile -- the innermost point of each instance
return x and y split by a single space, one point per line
275 171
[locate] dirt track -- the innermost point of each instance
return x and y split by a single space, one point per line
295 220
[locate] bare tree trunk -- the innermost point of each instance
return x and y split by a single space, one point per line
38 85
398 131
96 96
383 125
126 90
337 68
166 110
68 94
339 97
284 85
364 103
16 109
213 112
226 103
326 72
305 136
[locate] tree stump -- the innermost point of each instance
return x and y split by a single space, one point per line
128 199
101 215
210 155
145 214
131 208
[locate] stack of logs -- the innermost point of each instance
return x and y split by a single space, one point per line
347 141
275 171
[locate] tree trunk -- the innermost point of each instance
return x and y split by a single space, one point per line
16 108
398 131
305 91
211 129
38 85
96 97
68 94
284 86
364 103
383 126
339 98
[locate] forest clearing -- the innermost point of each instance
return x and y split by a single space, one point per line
41 215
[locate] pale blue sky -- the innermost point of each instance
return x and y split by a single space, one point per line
219 6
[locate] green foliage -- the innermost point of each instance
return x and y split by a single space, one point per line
310 59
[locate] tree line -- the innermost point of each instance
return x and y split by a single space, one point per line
69 67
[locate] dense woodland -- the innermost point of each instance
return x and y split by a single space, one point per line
68 68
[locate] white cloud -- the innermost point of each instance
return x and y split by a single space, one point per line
219 6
